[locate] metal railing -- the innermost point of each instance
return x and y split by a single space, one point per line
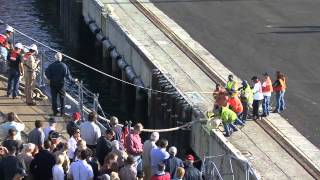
82 99
210 169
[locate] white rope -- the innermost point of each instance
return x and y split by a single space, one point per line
103 73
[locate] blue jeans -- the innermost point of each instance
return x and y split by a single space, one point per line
266 105
13 82
227 129
238 122
138 164
280 101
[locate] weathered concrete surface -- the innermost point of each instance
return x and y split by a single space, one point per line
280 125
28 114
250 37
124 24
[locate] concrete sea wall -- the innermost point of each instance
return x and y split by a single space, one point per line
124 48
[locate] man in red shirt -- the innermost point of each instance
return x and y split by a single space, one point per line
134 146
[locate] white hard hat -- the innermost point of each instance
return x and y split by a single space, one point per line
33 47
19 45
9 28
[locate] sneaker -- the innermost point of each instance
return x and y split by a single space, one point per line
15 97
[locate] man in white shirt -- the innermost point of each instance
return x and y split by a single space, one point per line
72 143
90 132
81 170
13 123
146 157
57 169
257 97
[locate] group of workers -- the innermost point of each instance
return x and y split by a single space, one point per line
23 62
234 103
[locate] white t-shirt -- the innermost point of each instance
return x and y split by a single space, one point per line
257 91
57 172
47 131
4 128
80 170
90 132
72 144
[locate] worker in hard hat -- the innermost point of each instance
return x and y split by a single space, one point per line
232 85
30 65
5 47
15 71
246 97
229 119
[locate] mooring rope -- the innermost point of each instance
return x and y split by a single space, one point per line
97 70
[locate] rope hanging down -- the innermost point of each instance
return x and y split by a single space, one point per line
94 69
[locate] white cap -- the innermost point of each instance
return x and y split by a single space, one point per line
58 56
33 47
19 45
9 28
173 150
154 136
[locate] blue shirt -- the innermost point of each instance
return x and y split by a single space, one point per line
157 155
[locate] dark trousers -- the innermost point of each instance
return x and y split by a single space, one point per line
13 82
245 111
255 108
57 89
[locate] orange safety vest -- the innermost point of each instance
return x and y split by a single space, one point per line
282 86
235 104
3 41
26 56
13 55
268 87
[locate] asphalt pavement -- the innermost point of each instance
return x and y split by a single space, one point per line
254 36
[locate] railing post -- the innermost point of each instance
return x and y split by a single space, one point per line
80 99
41 83
95 102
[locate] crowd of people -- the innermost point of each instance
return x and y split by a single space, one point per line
87 153
233 104
117 153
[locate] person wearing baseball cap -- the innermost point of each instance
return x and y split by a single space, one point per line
52 126
191 173
73 124
15 71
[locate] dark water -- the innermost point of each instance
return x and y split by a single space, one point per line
40 19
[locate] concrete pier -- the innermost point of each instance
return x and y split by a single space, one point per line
144 47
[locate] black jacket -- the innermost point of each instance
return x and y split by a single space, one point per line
9 166
103 147
57 73
192 173
172 164
41 165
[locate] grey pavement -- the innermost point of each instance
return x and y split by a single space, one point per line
250 37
